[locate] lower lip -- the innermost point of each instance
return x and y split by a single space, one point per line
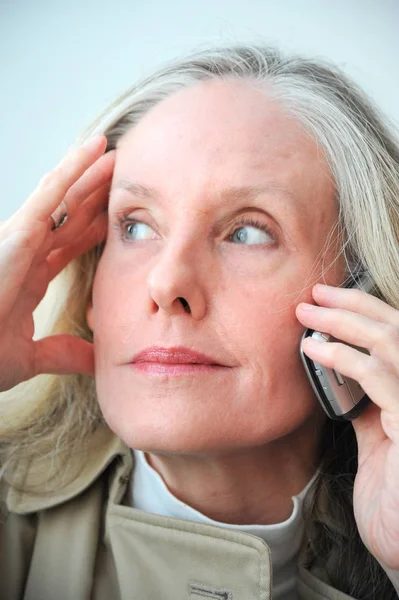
175 370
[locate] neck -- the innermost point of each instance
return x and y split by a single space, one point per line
250 486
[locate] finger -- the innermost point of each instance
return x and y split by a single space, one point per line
93 236
53 187
63 354
379 338
356 301
94 205
15 251
379 381
95 177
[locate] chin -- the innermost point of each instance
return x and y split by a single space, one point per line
198 436
167 437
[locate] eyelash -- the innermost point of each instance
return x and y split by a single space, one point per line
125 221
253 223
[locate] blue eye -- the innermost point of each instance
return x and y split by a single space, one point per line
249 232
252 233
135 230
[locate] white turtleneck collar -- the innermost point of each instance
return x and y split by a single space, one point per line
148 492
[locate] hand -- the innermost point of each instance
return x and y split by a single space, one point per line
32 254
360 319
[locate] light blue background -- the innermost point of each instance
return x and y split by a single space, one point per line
62 62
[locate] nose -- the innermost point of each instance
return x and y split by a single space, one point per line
174 285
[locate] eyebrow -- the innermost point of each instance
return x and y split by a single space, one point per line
137 189
247 192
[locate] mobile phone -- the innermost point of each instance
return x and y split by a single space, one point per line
341 397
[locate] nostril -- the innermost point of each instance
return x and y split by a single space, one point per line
185 305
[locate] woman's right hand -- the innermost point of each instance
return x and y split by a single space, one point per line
32 254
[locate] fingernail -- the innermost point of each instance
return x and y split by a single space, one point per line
323 286
309 342
306 306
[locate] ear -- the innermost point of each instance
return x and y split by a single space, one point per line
89 315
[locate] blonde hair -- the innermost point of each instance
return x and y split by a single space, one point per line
50 413
52 417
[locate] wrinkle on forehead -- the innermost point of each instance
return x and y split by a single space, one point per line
217 134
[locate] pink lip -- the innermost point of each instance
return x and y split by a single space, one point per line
174 362
177 355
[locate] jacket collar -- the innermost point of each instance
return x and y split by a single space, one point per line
41 484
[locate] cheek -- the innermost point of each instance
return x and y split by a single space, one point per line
259 328
264 319
113 308
268 335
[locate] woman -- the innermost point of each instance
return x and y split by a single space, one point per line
242 182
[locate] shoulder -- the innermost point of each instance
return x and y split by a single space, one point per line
42 516
43 484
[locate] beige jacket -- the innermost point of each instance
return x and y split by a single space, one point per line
84 543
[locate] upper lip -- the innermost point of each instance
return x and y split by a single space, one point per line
174 355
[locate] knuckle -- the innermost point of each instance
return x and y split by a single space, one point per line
75 157
372 369
355 296
366 370
335 351
72 161
355 293
387 336
49 179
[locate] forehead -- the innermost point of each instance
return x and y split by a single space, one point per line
219 133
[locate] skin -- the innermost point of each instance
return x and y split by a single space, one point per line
244 465
238 443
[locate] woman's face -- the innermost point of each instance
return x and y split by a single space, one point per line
234 203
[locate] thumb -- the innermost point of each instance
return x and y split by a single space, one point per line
64 354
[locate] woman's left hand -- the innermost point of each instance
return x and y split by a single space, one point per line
360 319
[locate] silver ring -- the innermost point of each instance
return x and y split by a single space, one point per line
59 216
